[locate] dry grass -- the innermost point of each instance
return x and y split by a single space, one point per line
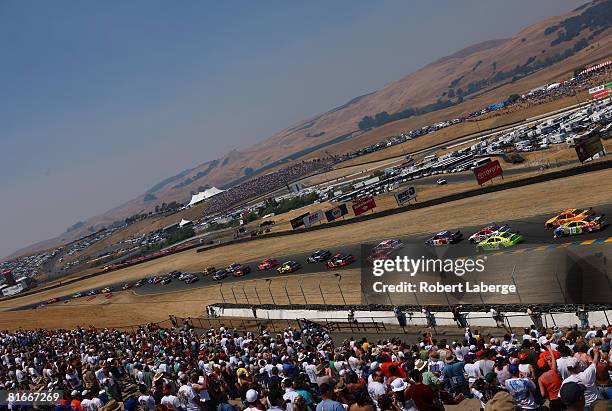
127 309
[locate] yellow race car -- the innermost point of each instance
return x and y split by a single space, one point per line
571 214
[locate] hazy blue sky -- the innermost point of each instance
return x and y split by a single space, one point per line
99 100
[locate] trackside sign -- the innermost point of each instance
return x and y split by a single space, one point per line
405 195
488 171
363 204
313 218
336 212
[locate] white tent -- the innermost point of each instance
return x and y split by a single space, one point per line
203 195
184 222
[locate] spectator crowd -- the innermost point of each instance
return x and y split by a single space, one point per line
266 183
182 368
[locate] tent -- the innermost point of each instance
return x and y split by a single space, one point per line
184 222
203 195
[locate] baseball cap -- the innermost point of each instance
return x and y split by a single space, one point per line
490 377
513 368
251 395
571 392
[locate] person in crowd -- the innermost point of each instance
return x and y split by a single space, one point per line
187 369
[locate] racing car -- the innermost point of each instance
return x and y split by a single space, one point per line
175 274
127 286
384 249
588 224
499 240
571 214
267 264
141 282
77 295
319 256
190 279
288 267
166 280
444 238
238 270
392 244
487 232
219 275
93 292
340 260
210 270
106 290
52 300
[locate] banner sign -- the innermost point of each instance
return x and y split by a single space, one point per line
336 212
601 94
408 194
596 89
298 221
313 218
588 147
488 171
363 204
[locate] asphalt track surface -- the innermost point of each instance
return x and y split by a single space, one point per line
531 228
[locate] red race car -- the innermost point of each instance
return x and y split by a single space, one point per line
340 260
52 300
267 264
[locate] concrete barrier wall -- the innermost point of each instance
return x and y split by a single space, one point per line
516 319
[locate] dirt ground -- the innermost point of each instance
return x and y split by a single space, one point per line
126 309
526 201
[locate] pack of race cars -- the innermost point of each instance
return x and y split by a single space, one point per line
570 222
573 221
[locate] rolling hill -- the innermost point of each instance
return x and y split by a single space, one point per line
556 45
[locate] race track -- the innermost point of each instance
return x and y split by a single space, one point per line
531 228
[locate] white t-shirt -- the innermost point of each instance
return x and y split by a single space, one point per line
486 366
376 389
186 395
562 367
147 402
289 396
311 371
586 378
171 402
472 371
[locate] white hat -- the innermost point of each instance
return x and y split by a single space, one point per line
251 395
85 392
374 366
74 393
398 384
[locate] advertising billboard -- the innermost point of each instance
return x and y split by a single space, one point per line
313 218
588 147
363 204
405 195
336 212
488 171
298 221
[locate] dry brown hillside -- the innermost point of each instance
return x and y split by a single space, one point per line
481 74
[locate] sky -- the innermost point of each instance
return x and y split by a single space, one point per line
101 100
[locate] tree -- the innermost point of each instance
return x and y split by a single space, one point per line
512 98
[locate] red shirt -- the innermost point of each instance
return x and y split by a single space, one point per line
551 381
384 367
